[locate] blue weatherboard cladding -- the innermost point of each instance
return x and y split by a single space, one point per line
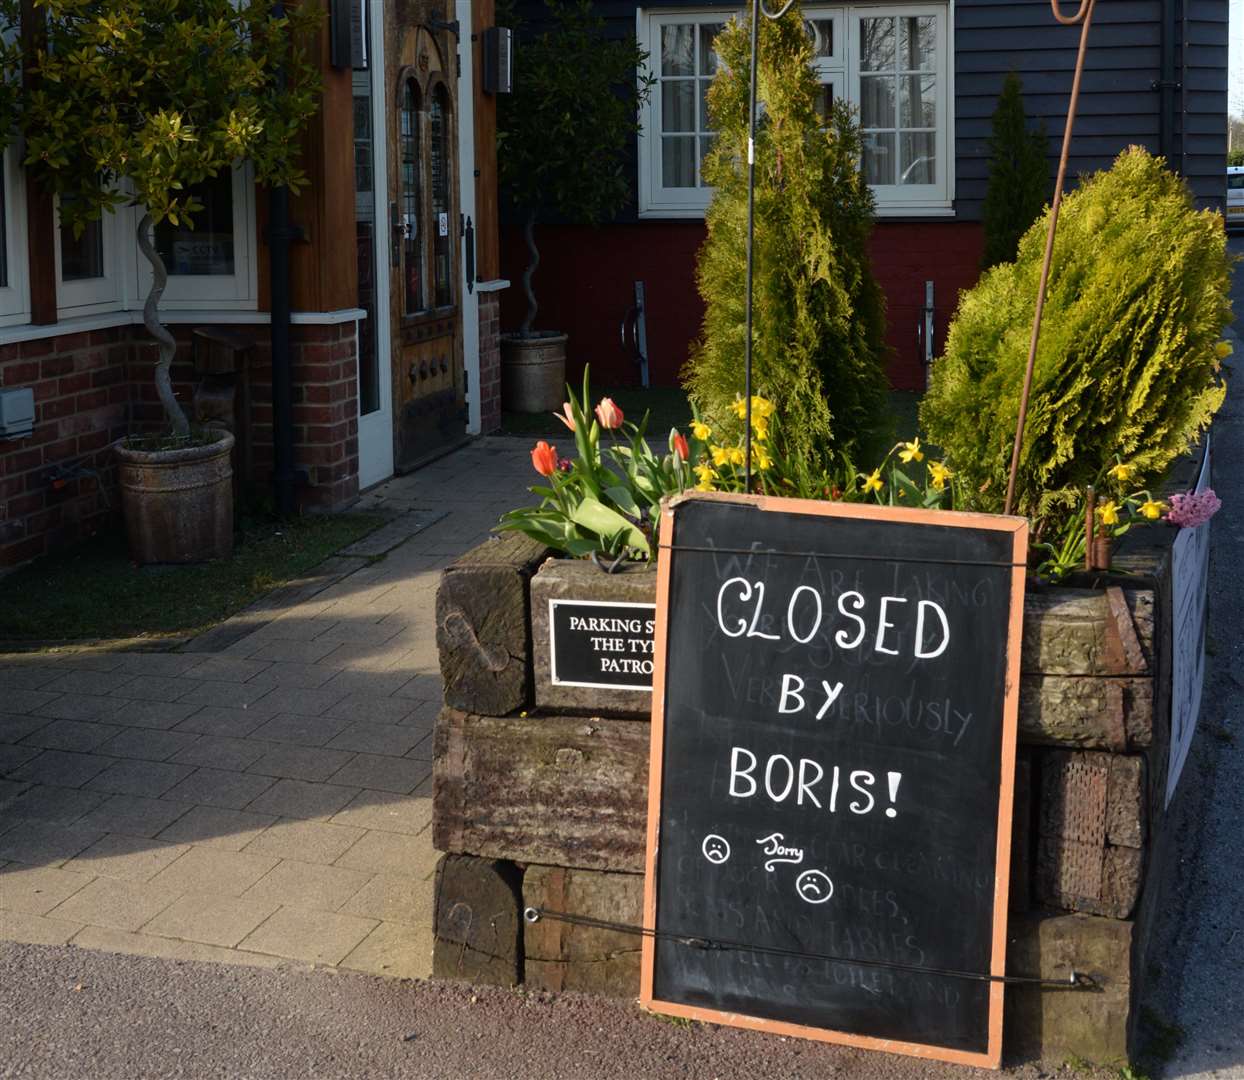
1119 104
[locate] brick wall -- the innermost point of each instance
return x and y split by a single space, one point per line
82 405
490 362
93 388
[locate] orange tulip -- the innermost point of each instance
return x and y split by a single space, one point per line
608 413
566 416
679 444
544 458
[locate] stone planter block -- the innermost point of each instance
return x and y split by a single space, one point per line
1094 712
482 625
566 791
1091 832
1057 1024
562 956
1088 632
576 579
478 921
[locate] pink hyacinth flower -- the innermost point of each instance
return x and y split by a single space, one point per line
1192 509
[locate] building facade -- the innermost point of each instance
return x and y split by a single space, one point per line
925 78
394 291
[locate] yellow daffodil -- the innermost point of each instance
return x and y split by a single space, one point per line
737 457
740 407
1122 473
1152 510
762 407
911 452
721 456
1223 349
763 461
701 430
760 426
873 481
706 477
1109 512
939 474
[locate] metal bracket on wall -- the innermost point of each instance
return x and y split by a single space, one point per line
636 321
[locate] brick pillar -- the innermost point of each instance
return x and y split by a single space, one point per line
490 362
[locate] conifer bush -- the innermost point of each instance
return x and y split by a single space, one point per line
1019 175
1128 365
818 314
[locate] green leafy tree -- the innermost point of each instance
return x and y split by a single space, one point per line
1019 175
1127 370
562 134
818 314
138 101
1235 157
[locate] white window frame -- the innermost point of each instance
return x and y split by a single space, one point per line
199 292
91 296
15 296
840 71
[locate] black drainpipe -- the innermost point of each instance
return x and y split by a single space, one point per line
1167 85
282 371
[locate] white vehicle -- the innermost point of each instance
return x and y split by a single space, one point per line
1235 196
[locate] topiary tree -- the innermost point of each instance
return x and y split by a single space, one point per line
137 101
818 314
1019 175
1130 350
562 134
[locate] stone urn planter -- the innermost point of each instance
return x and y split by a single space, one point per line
178 504
533 371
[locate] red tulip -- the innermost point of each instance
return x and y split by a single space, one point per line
679 441
608 413
544 458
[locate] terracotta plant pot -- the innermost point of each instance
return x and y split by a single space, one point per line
178 504
533 372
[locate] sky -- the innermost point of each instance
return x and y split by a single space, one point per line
1235 60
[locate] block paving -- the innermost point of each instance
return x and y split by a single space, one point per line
262 794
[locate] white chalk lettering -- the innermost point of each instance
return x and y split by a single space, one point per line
736 773
790 777
792 688
855 780
857 602
921 654
883 624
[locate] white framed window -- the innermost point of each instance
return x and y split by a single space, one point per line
14 272
88 267
891 61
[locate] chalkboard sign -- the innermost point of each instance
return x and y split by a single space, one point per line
834 717
606 645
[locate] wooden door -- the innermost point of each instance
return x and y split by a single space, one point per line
429 412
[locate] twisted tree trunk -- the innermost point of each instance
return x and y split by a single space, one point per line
529 234
168 347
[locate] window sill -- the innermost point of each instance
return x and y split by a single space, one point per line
10 335
883 213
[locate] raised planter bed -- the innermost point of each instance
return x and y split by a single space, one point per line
542 789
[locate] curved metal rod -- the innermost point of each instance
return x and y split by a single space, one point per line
1076 19
775 15
1086 9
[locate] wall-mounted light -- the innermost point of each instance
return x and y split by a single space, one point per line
497 46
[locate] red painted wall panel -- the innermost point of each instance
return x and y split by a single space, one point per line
585 284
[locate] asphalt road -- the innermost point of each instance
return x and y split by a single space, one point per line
1197 1003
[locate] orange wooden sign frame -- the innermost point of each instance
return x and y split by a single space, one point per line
1018 528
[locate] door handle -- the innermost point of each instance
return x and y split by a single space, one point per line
396 235
468 239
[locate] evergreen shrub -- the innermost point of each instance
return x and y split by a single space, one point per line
1019 175
818 313
1128 364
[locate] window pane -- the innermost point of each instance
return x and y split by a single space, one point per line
677 50
708 58
704 85
207 249
877 44
82 258
821 34
678 161
877 104
706 145
1235 182
919 43
412 249
919 102
678 105
442 226
879 157
365 244
919 158
824 100
4 225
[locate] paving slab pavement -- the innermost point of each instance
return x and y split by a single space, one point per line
262 794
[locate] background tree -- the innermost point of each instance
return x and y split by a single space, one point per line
1019 175
562 134
138 101
818 314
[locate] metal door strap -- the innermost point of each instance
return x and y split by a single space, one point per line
853 555
1076 980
